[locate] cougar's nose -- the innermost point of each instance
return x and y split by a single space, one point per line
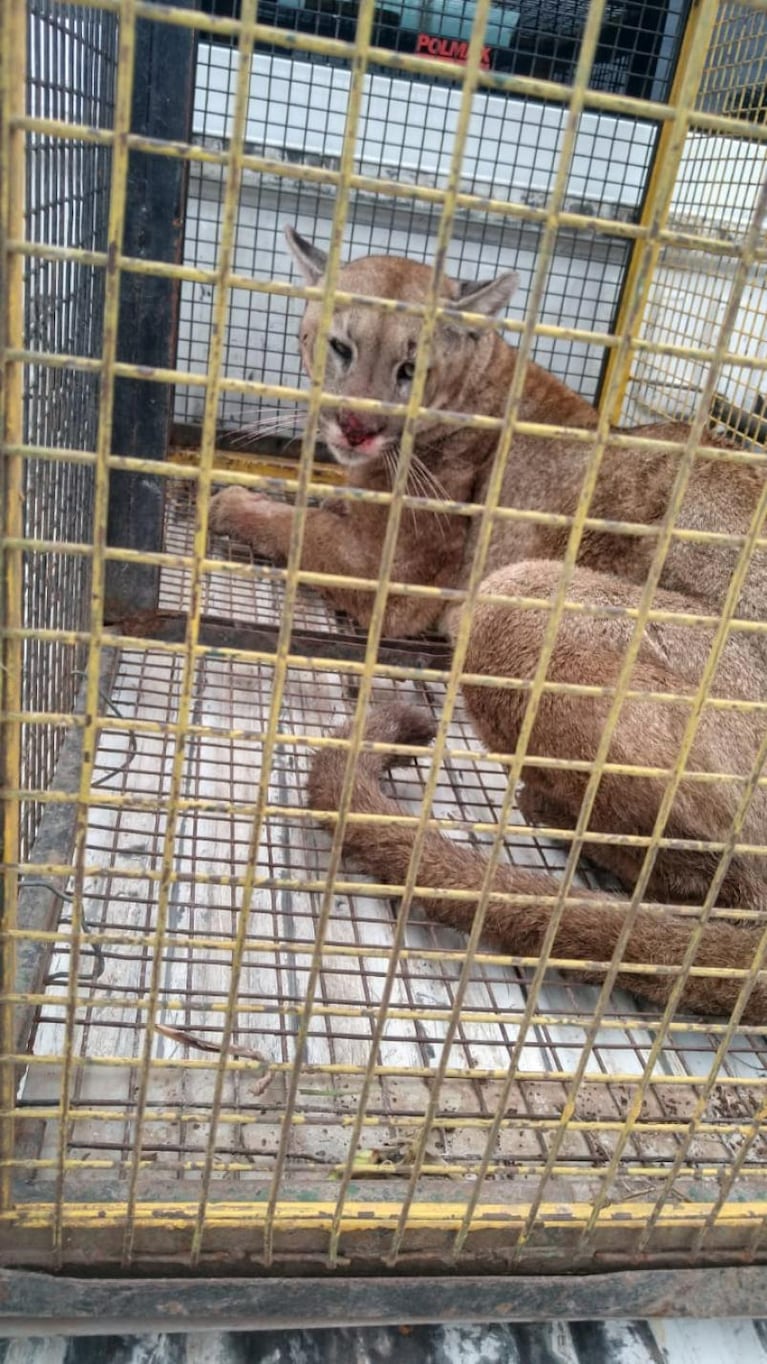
357 428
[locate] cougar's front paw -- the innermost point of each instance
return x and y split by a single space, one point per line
231 509
252 518
539 809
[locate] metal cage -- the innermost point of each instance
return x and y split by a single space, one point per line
223 1052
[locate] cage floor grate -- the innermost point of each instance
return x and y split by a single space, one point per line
210 844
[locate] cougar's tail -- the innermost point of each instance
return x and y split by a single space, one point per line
588 932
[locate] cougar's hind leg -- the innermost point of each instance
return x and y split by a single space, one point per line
540 808
506 642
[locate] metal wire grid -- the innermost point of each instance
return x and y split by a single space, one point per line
634 56
117 953
296 114
72 56
717 188
339 1214
736 71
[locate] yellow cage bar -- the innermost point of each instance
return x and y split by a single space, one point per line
225 1048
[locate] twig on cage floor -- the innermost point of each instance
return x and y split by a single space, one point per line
99 955
132 739
395 1158
263 1076
185 823
646 1191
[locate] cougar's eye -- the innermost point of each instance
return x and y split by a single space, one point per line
341 349
405 373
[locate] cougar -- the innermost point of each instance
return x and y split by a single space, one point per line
371 355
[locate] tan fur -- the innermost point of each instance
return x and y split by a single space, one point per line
472 372
586 933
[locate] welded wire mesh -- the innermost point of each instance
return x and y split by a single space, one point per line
297 114
234 1046
718 183
72 59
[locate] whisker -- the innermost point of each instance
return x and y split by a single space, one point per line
271 410
430 479
427 485
266 408
252 433
283 413
290 421
421 480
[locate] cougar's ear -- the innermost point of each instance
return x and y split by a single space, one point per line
488 296
309 259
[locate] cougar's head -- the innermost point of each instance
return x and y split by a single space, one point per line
371 353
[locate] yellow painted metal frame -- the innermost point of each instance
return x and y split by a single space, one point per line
478 1211
12 189
665 169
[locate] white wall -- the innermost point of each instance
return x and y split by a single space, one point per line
297 109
